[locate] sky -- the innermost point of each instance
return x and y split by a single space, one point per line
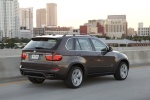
77 12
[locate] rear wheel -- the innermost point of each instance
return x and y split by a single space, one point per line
122 71
36 80
74 78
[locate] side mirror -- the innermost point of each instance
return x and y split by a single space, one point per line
110 49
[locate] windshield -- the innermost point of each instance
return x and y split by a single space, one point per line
42 43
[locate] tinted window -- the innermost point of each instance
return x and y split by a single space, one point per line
69 44
41 43
99 46
85 44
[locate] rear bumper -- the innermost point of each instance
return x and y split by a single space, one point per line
42 74
44 69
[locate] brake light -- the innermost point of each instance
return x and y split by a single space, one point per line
54 57
49 57
23 56
57 57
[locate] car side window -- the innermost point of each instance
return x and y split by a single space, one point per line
99 46
85 44
69 44
77 45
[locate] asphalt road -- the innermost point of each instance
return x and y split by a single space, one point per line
135 87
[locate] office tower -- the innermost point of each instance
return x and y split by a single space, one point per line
116 26
40 17
26 18
51 14
9 18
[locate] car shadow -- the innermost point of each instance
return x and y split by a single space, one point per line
98 80
49 84
59 84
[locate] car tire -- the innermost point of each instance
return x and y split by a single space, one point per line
36 80
122 71
74 78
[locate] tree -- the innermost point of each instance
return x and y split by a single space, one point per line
10 45
139 39
145 38
2 45
106 37
135 39
25 40
148 38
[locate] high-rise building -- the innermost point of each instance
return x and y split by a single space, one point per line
26 22
9 18
143 31
26 18
116 26
51 14
40 17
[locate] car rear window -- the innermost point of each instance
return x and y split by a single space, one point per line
42 43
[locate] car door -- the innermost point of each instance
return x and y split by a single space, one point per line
85 53
105 59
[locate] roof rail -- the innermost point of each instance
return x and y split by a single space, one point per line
64 35
53 34
42 34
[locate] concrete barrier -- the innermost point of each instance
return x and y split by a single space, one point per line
10 52
9 67
138 57
10 59
131 48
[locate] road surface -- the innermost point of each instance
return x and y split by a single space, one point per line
135 87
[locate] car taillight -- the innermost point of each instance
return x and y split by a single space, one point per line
54 57
49 57
23 56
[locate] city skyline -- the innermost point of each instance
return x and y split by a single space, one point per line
75 13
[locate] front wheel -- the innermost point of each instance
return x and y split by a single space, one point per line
36 80
122 72
74 78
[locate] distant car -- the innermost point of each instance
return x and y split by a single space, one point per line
71 58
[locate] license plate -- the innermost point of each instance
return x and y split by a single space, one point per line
35 57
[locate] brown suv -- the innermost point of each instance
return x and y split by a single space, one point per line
71 58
